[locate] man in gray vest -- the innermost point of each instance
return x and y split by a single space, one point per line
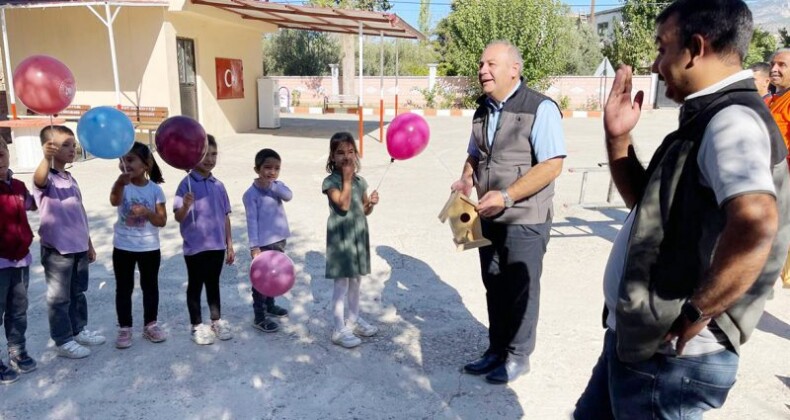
515 152
697 257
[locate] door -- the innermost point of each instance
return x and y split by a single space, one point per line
187 85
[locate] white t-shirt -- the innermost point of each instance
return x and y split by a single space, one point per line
133 233
734 159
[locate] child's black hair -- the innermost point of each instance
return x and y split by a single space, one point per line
48 131
264 154
144 153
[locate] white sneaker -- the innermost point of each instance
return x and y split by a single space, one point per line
73 350
89 338
221 329
362 328
202 334
345 338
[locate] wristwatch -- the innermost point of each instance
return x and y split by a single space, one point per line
506 197
692 313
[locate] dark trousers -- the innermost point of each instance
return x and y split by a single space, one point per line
511 269
67 282
148 264
259 301
204 268
13 306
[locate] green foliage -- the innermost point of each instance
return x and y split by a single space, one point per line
538 28
762 45
424 19
300 53
633 38
784 38
564 102
381 5
413 57
583 50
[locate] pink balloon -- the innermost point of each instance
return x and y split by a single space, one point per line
181 142
407 136
272 273
44 84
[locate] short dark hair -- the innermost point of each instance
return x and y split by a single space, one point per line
725 24
264 154
761 67
48 131
211 140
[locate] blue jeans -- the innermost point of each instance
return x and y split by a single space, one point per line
67 282
662 387
259 301
13 306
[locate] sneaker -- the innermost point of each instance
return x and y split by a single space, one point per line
202 334
124 340
275 310
73 350
21 362
153 333
345 338
362 328
7 375
221 329
89 338
266 325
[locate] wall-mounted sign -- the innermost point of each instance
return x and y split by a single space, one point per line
230 78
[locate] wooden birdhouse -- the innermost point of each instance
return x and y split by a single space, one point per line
464 222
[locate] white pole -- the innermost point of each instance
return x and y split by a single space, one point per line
109 23
9 75
360 64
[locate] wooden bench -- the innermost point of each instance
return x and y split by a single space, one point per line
73 112
611 201
146 119
340 101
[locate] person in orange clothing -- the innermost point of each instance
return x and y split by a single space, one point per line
779 104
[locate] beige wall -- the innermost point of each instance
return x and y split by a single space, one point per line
145 39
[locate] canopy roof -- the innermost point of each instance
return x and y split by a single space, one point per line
322 19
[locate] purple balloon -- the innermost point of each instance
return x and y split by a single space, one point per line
407 136
181 142
272 273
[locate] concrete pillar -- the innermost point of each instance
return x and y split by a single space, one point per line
335 79
432 75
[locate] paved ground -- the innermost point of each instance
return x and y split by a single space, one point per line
426 297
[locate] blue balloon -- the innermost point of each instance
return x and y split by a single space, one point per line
105 132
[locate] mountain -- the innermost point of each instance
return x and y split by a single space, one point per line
770 15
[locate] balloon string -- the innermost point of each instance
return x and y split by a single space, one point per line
189 188
51 135
384 174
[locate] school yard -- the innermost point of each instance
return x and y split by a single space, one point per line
426 297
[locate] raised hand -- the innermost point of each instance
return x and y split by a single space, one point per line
621 113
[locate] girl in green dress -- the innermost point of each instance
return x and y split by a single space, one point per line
347 243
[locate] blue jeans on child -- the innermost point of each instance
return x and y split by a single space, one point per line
662 387
67 282
259 301
13 306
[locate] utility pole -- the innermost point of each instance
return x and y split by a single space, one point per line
592 14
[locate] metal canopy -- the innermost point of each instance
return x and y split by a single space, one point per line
42 4
321 19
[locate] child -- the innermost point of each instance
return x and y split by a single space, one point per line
347 244
15 259
267 227
207 239
66 247
141 212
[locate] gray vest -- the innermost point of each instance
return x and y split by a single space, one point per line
677 226
511 156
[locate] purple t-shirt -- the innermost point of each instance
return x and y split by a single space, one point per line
24 262
266 221
206 230
63 222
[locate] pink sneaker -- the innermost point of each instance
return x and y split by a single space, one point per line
124 340
153 333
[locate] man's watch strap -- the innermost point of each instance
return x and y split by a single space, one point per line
692 313
507 199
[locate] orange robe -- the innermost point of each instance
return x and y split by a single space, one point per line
780 109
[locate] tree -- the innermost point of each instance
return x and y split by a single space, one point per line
583 50
300 53
784 38
633 38
538 28
762 45
424 19
413 57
